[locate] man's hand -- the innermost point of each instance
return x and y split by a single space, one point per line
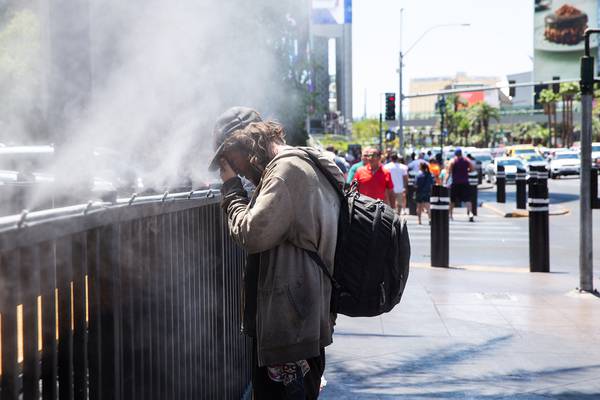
226 172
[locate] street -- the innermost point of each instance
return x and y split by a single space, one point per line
495 241
486 328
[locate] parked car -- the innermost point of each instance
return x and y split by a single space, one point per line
520 150
28 180
534 160
485 158
595 150
564 163
510 165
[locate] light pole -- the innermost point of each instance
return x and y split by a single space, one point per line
442 108
401 65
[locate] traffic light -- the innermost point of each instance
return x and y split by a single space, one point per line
390 106
556 86
512 91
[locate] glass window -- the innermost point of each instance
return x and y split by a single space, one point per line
567 157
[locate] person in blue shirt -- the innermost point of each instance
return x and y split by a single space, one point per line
355 168
424 183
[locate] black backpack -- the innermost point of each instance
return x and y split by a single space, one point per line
372 254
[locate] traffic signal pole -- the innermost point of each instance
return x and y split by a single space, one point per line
586 267
400 110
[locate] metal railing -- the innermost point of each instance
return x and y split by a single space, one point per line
134 300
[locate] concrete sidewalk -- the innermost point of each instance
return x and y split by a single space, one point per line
487 333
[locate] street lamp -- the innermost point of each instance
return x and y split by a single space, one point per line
441 103
401 65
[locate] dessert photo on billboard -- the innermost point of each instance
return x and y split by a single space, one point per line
560 25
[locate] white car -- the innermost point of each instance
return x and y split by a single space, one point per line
510 165
565 163
534 160
595 151
484 157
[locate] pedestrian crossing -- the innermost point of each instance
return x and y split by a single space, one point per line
491 240
487 228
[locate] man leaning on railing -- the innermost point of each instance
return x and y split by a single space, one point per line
293 209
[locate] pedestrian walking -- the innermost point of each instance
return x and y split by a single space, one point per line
415 165
399 173
424 183
435 170
374 180
458 171
355 167
286 295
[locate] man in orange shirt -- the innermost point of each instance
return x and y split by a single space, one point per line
374 180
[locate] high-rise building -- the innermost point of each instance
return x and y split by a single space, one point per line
331 32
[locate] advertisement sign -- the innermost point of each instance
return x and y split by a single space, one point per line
332 12
558 36
473 97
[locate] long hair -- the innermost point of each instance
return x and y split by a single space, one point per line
256 141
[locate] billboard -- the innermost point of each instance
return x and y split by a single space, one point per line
558 36
332 12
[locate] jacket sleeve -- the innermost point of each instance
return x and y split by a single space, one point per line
267 222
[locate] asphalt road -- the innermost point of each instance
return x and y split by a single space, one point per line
496 241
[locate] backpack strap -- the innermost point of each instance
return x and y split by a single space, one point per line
326 173
317 259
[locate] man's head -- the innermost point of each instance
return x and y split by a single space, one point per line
372 156
228 123
421 156
394 157
250 149
458 152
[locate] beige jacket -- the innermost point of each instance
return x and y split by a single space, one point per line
293 208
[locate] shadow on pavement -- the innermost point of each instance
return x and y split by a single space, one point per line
429 376
555 198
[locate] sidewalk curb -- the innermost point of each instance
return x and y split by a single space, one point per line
522 213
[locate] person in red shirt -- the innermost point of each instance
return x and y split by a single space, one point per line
374 180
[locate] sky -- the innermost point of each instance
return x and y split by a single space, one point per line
498 42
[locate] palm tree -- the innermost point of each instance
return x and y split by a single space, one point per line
548 98
483 113
568 93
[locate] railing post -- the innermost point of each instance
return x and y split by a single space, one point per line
9 273
30 289
110 312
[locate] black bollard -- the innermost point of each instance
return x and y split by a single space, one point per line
539 235
440 229
473 180
479 172
521 182
501 185
411 191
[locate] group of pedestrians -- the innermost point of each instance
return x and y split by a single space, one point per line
387 178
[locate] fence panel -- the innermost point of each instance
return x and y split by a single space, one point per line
129 301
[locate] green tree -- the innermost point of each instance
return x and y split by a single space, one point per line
568 92
549 99
482 114
366 132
